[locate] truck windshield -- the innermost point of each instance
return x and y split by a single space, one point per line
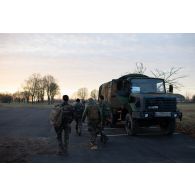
147 86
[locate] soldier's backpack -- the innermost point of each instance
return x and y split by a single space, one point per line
79 108
56 116
93 112
67 113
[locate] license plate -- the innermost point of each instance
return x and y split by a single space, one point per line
163 114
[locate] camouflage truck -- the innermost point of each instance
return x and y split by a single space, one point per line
141 101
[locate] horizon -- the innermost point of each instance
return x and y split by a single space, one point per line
88 60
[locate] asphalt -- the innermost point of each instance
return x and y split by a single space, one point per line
151 146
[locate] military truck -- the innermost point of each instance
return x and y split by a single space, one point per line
141 101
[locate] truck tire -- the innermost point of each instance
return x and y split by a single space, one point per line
114 120
168 127
131 125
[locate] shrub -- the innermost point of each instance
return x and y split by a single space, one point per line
6 98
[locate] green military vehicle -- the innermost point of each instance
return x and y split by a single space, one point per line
141 101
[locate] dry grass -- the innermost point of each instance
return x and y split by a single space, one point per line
22 149
187 125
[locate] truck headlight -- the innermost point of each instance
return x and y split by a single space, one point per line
146 115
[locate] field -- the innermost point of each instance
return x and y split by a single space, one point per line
187 125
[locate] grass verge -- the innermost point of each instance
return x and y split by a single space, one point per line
187 125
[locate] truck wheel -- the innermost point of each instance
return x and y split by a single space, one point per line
168 127
114 120
131 125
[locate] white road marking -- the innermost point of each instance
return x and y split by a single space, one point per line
115 135
153 127
176 133
107 128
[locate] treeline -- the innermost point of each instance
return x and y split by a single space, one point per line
187 99
34 90
37 87
40 89
83 93
6 98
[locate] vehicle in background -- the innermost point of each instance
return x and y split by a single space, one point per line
141 101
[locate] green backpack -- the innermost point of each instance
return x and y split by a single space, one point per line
78 109
93 112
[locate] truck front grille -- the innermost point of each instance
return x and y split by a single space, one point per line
160 104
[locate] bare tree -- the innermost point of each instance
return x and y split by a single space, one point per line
51 87
32 86
140 68
27 91
54 90
41 89
74 95
26 95
36 86
187 97
94 94
82 93
171 76
193 98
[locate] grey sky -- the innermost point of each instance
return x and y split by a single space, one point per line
78 60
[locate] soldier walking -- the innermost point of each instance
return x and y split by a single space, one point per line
67 118
106 115
93 114
78 112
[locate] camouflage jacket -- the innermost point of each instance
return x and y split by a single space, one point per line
86 113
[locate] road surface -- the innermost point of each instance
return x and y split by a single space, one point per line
26 136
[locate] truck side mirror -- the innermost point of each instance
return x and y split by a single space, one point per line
170 88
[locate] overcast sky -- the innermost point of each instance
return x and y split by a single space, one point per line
88 60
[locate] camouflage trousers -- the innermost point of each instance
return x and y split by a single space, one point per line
94 128
66 129
105 121
78 124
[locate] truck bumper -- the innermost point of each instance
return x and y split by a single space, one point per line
153 115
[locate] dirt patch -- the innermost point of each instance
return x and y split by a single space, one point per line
22 149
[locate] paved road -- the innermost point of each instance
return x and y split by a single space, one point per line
149 147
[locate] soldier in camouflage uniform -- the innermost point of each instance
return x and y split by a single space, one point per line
67 117
78 112
106 115
93 114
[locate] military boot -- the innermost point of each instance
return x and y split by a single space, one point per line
77 132
66 146
94 147
104 138
60 149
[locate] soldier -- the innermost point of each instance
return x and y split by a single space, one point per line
106 115
93 114
67 117
78 112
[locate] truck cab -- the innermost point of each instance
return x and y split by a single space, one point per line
141 101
